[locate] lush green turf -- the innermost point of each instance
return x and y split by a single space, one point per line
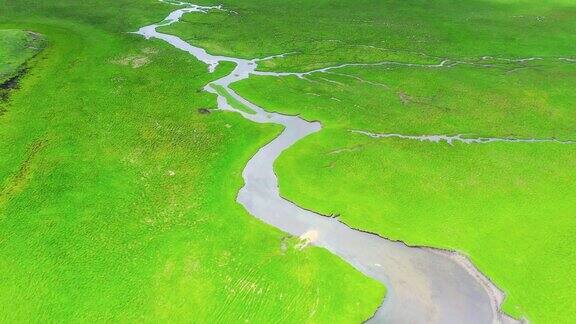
534 101
16 47
507 205
117 198
325 32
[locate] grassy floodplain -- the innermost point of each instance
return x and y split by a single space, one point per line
17 47
506 205
117 198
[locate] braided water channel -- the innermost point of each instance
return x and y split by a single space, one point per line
424 285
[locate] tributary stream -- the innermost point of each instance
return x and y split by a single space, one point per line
424 285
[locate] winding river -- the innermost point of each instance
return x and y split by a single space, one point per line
424 285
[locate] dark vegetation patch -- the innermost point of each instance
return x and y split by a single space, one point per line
18 181
17 48
11 84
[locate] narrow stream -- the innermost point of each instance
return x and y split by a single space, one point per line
466 139
424 285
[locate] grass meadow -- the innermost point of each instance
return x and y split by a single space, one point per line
506 205
117 197
16 47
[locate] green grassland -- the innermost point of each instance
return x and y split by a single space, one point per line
327 32
508 206
534 100
117 198
16 47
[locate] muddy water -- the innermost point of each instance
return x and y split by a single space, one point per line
424 285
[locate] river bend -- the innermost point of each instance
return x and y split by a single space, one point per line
424 285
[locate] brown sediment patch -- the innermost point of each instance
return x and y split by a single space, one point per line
307 238
150 50
135 61
404 97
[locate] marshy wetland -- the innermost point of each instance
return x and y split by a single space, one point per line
423 285
399 159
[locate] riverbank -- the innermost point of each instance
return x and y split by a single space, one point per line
424 287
